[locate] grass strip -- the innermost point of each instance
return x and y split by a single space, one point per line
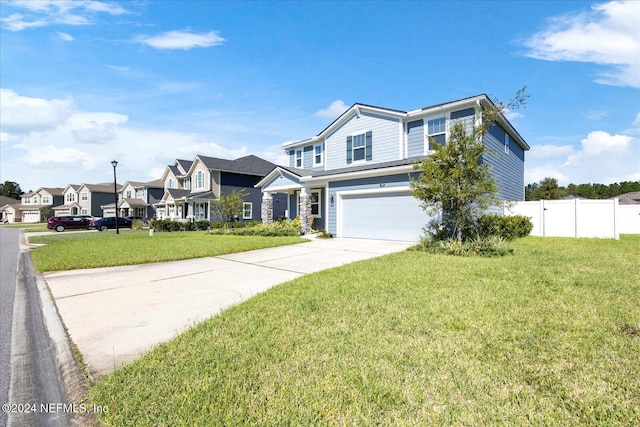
548 336
107 249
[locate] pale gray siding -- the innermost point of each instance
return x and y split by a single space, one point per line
307 157
281 181
385 144
415 138
507 168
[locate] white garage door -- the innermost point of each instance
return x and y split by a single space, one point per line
385 216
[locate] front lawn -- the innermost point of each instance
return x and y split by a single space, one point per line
548 336
28 226
67 251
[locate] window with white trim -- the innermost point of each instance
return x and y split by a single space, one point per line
506 143
247 210
128 194
318 155
170 183
436 132
45 200
315 204
299 158
84 211
199 180
84 196
358 147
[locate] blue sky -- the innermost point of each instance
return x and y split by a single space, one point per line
146 82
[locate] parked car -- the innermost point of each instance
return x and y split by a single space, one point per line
104 224
64 222
143 220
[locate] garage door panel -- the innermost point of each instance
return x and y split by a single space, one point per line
387 216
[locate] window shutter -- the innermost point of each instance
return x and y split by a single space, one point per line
349 151
368 146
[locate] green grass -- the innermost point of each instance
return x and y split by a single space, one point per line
28 227
548 336
66 251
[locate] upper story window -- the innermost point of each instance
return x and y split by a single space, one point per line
299 158
506 143
45 200
71 197
128 194
84 196
199 179
436 131
186 184
170 183
317 155
360 147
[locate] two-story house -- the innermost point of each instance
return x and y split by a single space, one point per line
86 199
137 199
190 186
34 206
353 177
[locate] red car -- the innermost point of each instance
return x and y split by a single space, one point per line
61 223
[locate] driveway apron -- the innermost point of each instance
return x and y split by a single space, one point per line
114 315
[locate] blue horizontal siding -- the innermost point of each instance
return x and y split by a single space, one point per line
415 138
507 168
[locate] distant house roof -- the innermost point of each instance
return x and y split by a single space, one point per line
248 165
632 198
4 200
102 188
184 164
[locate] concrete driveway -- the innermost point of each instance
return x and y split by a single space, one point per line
116 314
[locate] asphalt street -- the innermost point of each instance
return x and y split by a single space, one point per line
9 250
32 387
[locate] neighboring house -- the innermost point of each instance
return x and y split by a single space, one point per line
632 198
34 206
69 204
136 199
353 177
190 186
86 199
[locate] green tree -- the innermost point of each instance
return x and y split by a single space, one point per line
10 189
529 191
229 205
549 190
454 180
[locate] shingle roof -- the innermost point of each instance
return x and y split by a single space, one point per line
632 198
248 165
319 173
184 164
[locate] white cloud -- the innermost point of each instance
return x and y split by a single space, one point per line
601 158
48 12
66 37
601 142
24 114
547 151
333 111
512 115
16 22
184 40
606 35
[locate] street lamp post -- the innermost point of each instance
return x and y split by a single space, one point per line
115 193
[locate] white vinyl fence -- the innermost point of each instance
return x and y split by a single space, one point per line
579 218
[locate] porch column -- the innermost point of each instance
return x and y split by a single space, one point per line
267 208
305 211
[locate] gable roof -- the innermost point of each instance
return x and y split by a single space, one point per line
247 165
357 108
185 165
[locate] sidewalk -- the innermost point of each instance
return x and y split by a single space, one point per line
116 314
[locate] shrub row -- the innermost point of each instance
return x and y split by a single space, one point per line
506 227
289 227
170 225
483 246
